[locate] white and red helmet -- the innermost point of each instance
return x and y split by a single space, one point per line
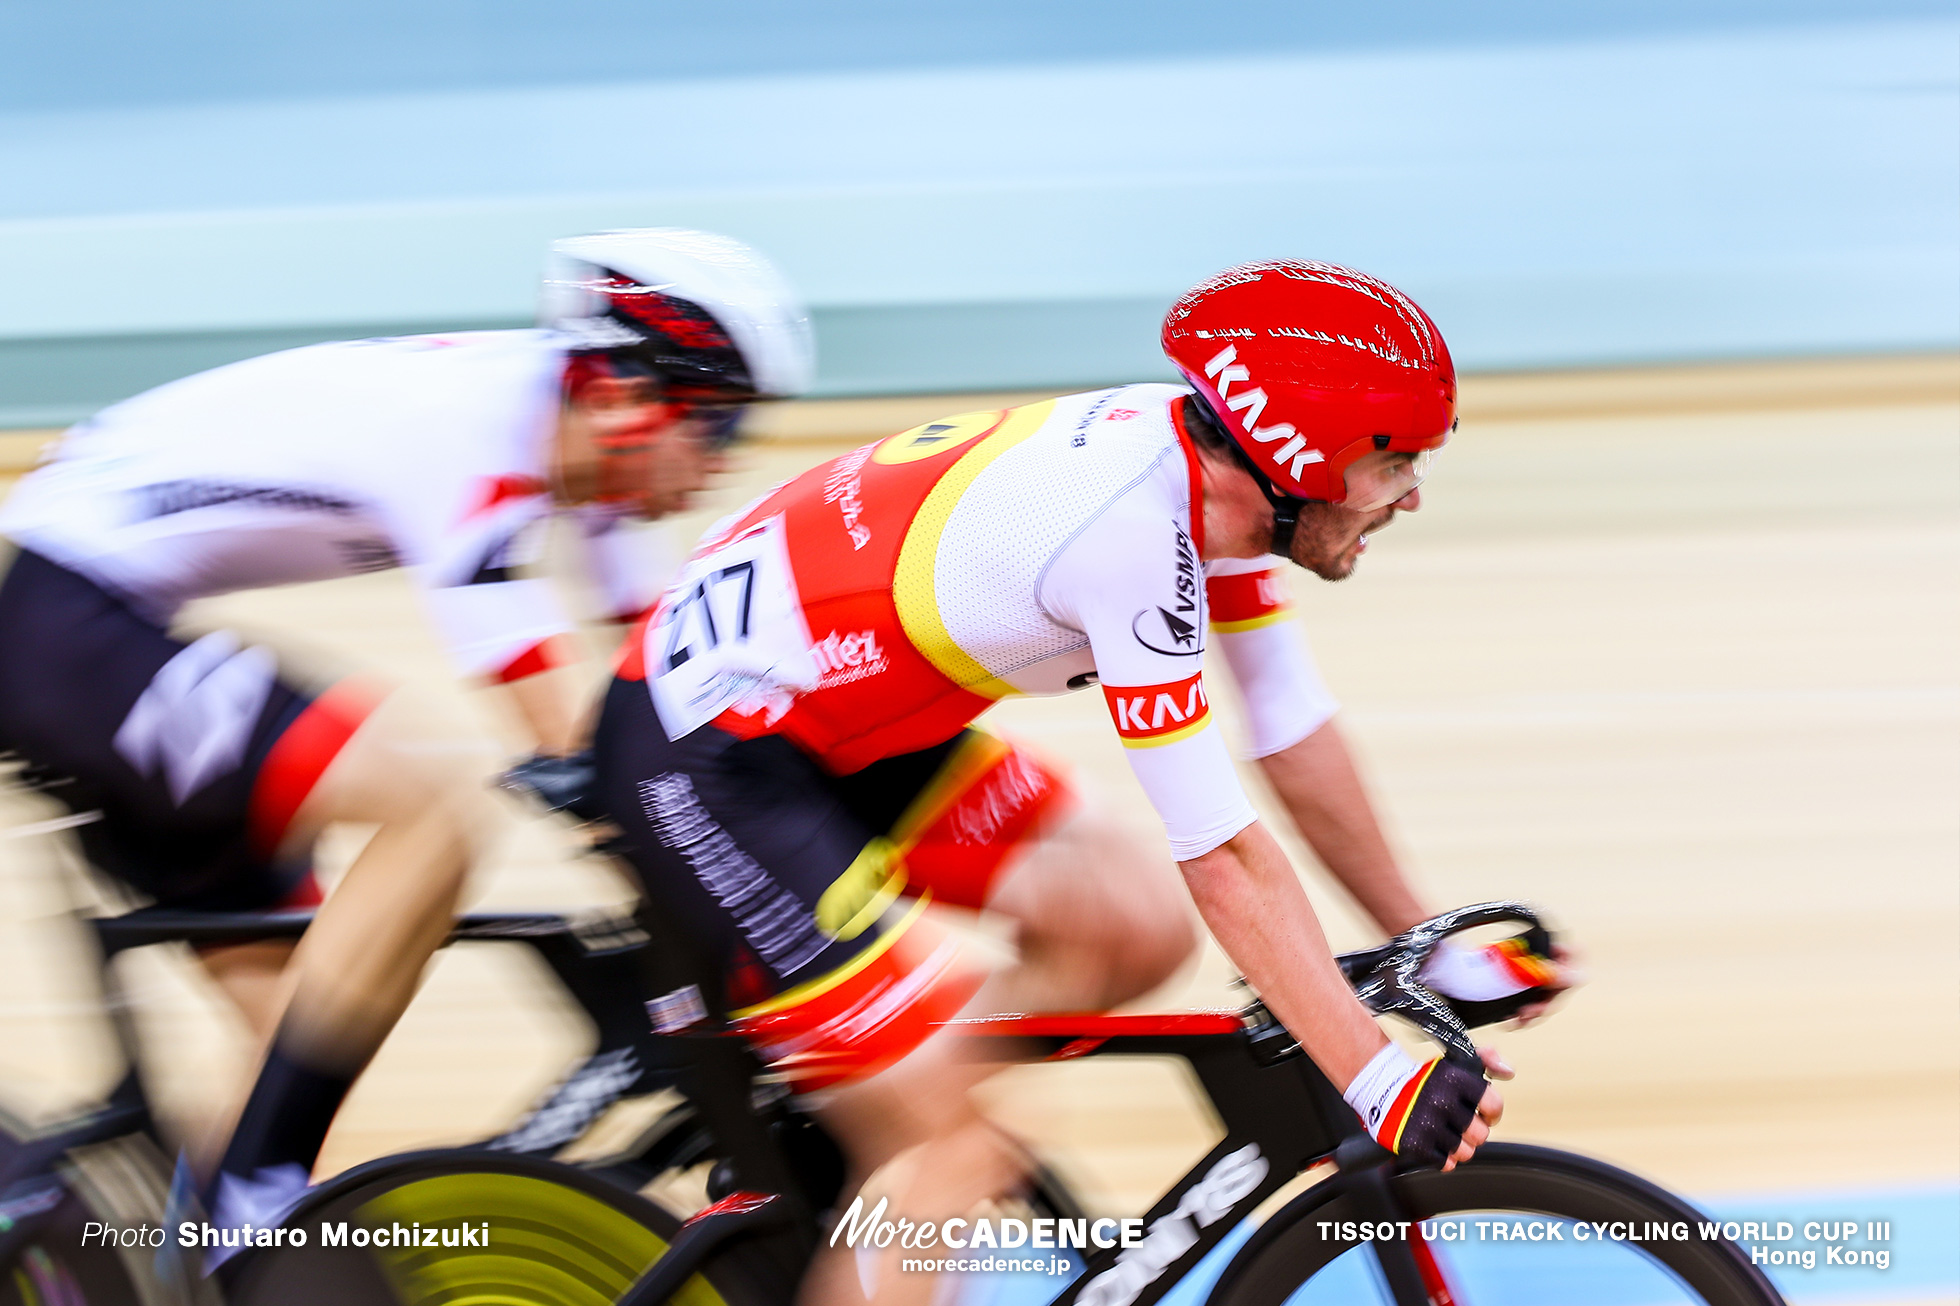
1308 366
711 317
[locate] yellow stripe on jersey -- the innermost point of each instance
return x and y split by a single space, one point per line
976 754
1169 737
915 589
1253 623
1247 600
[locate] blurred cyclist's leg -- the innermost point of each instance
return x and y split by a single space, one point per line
360 962
804 882
213 776
1100 919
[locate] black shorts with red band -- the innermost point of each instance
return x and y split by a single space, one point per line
797 892
193 814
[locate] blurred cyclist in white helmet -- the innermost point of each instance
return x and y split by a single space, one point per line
214 769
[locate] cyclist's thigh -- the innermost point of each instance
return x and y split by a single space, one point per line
962 814
995 824
195 754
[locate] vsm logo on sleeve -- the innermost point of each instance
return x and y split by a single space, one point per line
1236 1176
1173 630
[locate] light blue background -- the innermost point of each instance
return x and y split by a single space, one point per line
978 199
1924 1243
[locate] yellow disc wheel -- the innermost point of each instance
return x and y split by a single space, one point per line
468 1229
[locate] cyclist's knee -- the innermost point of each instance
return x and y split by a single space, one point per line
1092 888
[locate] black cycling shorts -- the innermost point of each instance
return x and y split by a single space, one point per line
196 755
772 870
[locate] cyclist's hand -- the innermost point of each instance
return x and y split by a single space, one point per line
568 784
1481 982
1433 1113
1566 974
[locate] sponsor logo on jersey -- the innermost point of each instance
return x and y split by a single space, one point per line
193 722
844 659
1003 799
843 487
1225 371
1151 715
167 498
1187 571
1174 629
936 437
1081 436
1167 633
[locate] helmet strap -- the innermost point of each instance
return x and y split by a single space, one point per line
1286 508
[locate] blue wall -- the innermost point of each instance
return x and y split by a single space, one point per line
1642 183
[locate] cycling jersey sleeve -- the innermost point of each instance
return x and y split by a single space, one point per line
628 562
1131 582
1252 624
497 621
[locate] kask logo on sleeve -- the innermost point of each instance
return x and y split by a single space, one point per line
1151 715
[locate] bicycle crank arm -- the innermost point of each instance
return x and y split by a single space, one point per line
733 1216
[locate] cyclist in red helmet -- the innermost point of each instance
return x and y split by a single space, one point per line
789 745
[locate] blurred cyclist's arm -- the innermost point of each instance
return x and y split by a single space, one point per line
628 562
1294 737
545 686
1317 780
504 627
1289 713
552 702
1253 903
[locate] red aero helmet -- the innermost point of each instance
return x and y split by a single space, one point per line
1310 365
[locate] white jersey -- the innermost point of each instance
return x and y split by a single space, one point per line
425 452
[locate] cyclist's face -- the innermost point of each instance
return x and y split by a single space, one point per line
673 456
646 455
1331 537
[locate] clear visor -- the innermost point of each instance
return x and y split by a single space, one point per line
1381 476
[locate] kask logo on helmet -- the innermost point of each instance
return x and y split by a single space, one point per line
1225 370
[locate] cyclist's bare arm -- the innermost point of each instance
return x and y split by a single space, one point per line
1324 794
1253 902
552 704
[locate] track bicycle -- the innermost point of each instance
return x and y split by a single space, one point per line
563 1235
81 1201
569 1234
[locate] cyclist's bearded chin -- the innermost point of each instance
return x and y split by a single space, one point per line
1327 542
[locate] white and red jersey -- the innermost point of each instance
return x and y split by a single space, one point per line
425 452
879 602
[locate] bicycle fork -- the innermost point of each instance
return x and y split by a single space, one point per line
1409 1269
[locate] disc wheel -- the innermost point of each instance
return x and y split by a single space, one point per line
544 1235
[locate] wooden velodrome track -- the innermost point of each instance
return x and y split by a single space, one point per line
1671 653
